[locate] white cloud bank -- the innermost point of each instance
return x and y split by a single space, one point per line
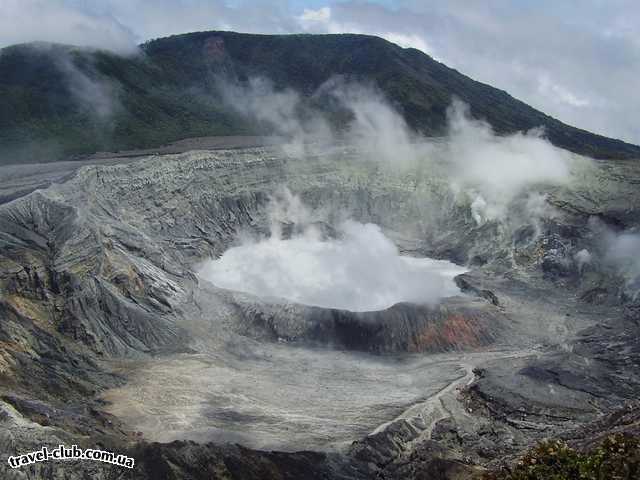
62 22
361 270
494 170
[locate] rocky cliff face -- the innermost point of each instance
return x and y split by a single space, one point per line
97 277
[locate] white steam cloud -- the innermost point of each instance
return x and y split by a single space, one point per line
361 270
624 253
619 251
493 170
90 90
357 267
97 95
582 259
376 128
484 170
260 101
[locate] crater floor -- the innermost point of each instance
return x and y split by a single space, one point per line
279 396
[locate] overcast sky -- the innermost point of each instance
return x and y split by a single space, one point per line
576 60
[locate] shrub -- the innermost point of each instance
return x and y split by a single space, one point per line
617 458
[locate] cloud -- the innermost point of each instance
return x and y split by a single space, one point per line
352 265
259 99
623 252
376 128
360 270
582 258
98 96
493 170
486 171
61 22
322 21
547 87
282 111
409 41
321 16
619 252
119 25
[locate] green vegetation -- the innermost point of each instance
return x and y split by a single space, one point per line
60 101
617 458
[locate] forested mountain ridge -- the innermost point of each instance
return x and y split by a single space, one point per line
61 101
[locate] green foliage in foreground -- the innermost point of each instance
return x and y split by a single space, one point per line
617 458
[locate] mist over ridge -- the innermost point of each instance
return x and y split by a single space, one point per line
168 92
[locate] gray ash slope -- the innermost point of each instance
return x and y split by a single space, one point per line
97 274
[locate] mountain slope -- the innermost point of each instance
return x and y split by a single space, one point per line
59 101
